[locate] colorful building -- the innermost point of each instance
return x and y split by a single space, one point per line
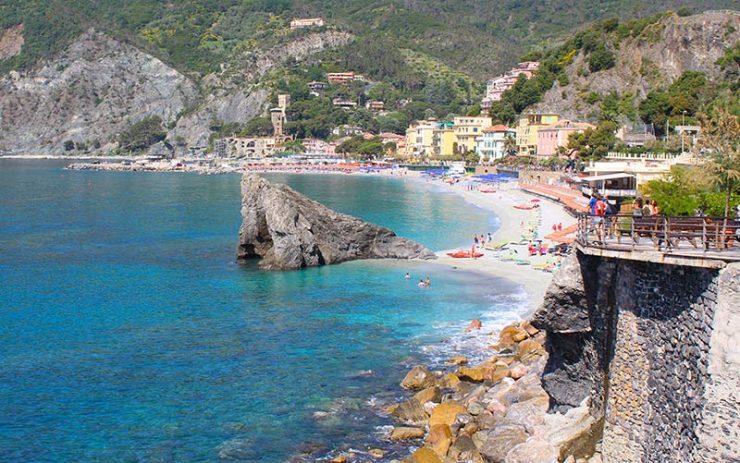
467 129
375 105
549 139
340 77
492 144
444 139
419 139
527 131
496 87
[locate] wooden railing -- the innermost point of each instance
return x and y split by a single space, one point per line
668 234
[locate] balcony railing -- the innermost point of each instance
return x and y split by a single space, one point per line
698 236
611 192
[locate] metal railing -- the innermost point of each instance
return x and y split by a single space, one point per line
661 233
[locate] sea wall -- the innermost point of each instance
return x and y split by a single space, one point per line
656 349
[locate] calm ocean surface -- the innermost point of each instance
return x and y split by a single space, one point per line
128 334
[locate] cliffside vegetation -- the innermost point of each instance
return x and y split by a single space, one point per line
198 35
422 59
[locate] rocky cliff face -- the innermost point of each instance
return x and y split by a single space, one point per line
288 231
11 41
88 95
654 349
654 59
100 86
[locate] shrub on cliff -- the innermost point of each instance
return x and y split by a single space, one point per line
142 134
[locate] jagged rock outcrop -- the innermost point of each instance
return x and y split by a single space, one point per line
652 60
287 231
11 41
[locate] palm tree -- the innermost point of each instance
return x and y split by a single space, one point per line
509 145
721 138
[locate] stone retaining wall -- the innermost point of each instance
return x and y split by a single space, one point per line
655 347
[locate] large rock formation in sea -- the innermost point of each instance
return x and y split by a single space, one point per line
287 231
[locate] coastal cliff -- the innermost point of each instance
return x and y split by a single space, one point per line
287 231
654 349
625 361
647 62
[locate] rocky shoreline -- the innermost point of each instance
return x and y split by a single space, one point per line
493 411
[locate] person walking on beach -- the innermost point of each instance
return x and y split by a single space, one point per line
475 240
490 238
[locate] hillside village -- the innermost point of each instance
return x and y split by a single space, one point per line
578 104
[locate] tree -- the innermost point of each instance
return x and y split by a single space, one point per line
258 126
601 59
294 146
510 147
142 134
721 137
654 109
677 194
594 143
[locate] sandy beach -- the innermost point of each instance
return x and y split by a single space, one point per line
513 222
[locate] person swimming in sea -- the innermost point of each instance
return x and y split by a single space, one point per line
428 282
408 276
422 284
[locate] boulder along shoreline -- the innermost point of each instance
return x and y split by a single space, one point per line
491 411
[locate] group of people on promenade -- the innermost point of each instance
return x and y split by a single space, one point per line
603 213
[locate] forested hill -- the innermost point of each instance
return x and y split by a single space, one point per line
119 76
478 38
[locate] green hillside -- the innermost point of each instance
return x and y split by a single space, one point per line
478 38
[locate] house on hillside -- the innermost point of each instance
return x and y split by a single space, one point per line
347 130
343 103
638 135
317 86
375 105
341 77
496 87
306 22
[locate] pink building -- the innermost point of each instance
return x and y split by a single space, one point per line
496 87
549 139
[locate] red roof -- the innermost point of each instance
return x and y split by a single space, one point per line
497 128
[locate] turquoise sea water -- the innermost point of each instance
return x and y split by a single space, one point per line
128 334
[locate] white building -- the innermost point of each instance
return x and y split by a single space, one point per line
492 144
306 22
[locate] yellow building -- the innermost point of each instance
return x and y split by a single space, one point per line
419 139
527 132
443 140
467 129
